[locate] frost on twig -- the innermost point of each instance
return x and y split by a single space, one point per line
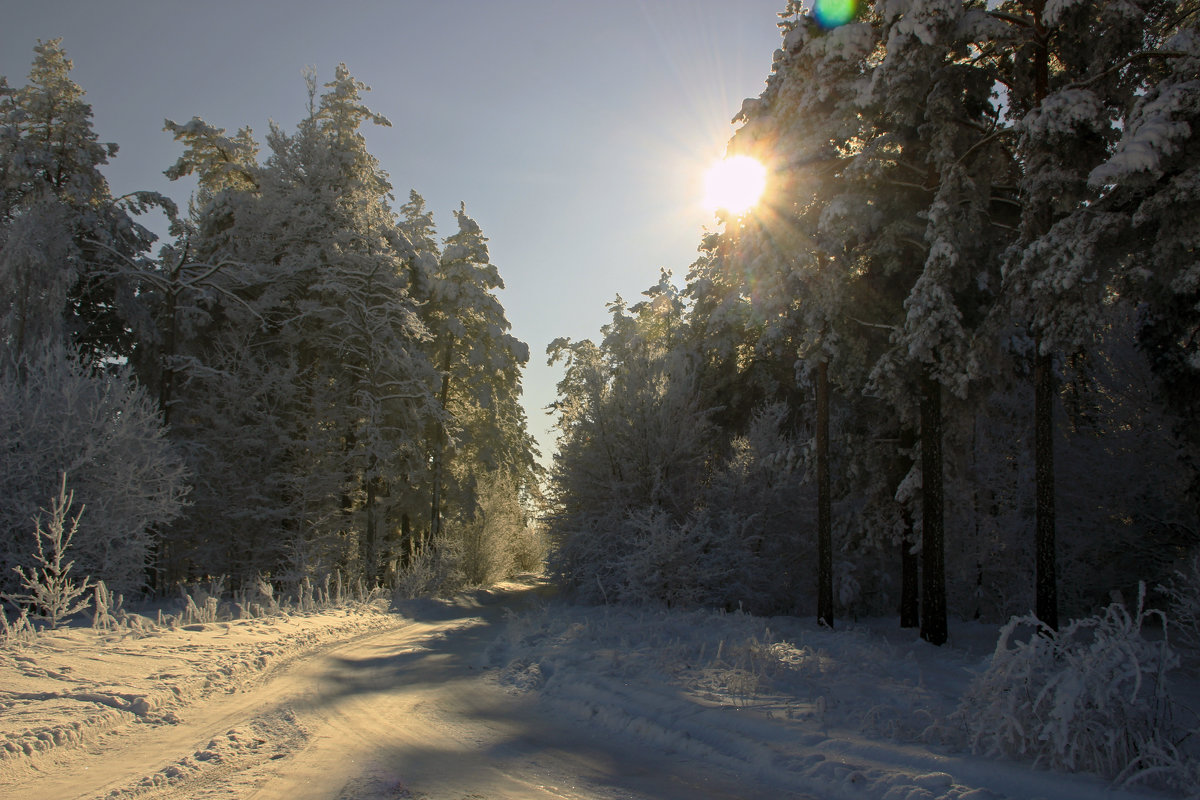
51 594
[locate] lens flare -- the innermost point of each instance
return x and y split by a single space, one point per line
734 184
832 13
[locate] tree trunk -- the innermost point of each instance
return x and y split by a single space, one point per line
909 577
1046 567
373 564
933 561
406 541
824 513
910 586
439 453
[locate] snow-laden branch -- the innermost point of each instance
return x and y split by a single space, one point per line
1120 65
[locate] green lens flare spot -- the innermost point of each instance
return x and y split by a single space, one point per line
832 13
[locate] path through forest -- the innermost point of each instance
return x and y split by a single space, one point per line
413 712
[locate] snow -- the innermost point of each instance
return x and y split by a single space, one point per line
864 712
69 686
505 693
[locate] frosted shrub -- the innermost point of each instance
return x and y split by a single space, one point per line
676 563
20 632
486 541
434 570
266 595
1184 593
104 430
201 604
49 590
1094 697
107 609
530 548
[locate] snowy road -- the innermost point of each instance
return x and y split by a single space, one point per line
408 713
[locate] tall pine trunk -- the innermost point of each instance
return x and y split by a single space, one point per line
910 586
1046 563
1046 568
909 578
439 453
933 560
824 506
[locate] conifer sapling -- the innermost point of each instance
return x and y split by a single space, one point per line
49 590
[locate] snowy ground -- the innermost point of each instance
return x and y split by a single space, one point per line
500 694
855 713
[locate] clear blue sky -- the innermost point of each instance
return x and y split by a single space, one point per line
577 133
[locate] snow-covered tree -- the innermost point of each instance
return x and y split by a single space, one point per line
632 441
47 585
322 332
1152 179
937 150
479 362
64 240
793 250
1068 70
338 336
60 415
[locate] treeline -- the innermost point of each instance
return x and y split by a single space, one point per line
304 380
950 364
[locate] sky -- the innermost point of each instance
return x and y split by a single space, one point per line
576 133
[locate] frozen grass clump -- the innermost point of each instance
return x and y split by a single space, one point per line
1093 697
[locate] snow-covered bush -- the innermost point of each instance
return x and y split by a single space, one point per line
434 570
19 632
680 564
1183 590
732 536
59 415
492 542
531 549
47 587
1093 697
761 506
107 609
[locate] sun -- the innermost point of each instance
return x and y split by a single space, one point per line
734 184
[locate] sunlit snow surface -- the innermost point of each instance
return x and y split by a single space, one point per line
505 693
859 712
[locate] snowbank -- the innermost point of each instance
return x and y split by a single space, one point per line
860 712
69 686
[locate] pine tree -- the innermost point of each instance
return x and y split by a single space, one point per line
793 250
1065 68
1152 179
64 241
480 364
324 332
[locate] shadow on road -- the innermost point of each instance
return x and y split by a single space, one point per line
445 727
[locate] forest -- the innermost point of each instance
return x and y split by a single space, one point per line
305 381
949 365
945 371
949 361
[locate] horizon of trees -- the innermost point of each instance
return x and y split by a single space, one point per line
304 379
